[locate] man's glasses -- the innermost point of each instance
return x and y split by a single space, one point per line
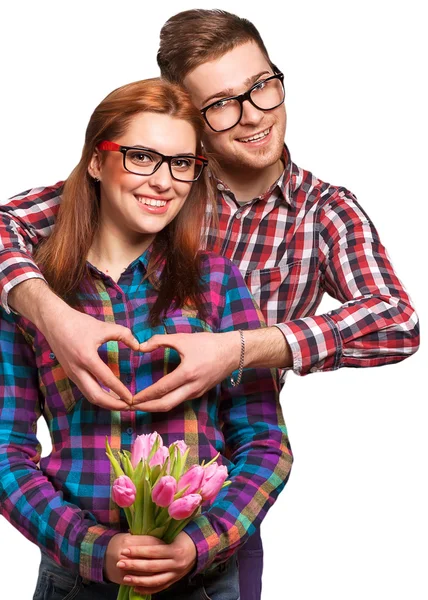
144 161
224 114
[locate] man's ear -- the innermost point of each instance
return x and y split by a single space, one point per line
94 167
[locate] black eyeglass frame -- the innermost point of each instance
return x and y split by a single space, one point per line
113 147
241 98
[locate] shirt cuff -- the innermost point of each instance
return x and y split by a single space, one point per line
206 541
315 343
16 267
92 552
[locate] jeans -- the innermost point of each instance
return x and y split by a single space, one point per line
250 560
56 583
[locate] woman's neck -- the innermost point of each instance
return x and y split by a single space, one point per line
112 250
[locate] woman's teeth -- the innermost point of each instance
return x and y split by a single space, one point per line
257 137
150 201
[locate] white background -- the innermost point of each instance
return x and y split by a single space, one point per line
352 522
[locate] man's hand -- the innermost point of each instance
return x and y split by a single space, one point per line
154 566
75 338
207 359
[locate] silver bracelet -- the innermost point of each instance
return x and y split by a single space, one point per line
241 362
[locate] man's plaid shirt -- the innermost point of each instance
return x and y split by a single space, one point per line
300 239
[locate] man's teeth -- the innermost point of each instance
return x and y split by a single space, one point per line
150 201
254 138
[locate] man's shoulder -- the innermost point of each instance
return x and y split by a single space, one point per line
308 189
40 193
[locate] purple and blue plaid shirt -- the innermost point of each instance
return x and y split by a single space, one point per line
62 502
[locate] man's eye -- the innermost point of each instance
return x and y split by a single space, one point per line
220 104
260 86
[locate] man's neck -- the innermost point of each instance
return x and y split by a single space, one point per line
249 184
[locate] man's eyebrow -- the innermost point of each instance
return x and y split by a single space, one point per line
229 91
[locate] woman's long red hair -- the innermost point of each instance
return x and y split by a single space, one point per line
63 256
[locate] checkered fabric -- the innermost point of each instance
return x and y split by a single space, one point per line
62 502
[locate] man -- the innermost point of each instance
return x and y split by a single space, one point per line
293 236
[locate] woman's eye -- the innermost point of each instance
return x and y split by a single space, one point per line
182 163
140 157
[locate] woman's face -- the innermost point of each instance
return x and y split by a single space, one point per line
132 205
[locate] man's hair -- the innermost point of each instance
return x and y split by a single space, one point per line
193 37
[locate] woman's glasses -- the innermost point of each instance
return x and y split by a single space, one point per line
144 161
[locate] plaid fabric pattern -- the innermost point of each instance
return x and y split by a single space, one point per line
62 502
299 240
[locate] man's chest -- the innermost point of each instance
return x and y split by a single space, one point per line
276 248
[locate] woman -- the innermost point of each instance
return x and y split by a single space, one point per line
125 249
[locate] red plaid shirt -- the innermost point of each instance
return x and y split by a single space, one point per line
300 239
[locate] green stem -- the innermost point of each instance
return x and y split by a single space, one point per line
124 592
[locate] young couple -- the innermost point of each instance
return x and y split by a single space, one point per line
124 263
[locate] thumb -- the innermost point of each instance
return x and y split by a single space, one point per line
121 334
159 341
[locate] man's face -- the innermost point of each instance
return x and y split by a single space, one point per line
232 74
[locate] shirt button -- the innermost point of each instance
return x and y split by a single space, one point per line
129 431
128 378
238 215
52 356
220 187
119 296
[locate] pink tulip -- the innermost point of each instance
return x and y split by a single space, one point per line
193 478
123 491
142 446
214 478
164 490
181 445
184 507
159 457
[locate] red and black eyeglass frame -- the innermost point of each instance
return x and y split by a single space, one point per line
113 147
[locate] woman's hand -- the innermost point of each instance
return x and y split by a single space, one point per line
115 548
154 565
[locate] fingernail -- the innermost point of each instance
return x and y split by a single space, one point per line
121 563
126 551
127 578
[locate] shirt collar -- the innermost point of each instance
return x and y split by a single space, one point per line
287 183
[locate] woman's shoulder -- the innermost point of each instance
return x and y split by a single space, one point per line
211 263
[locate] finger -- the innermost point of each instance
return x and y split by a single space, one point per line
120 334
150 551
92 390
177 379
147 566
101 372
151 581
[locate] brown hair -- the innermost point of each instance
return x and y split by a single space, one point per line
193 37
62 257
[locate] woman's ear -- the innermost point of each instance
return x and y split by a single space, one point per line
94 167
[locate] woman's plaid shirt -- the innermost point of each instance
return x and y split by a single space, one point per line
62 501
301 239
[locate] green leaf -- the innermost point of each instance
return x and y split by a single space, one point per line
115 464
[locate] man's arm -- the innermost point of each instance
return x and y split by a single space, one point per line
74 337
376 323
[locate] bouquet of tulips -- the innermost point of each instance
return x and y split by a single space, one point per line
158 494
